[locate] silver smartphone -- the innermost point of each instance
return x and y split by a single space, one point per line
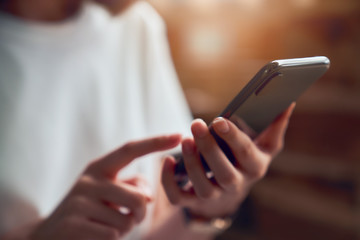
267 94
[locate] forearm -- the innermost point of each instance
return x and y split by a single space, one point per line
17 216
21 232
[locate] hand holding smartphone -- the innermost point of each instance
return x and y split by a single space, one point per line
267 94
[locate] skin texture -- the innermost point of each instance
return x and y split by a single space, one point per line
232 183
91 209
223 195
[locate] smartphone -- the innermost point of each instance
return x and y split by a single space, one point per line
265 96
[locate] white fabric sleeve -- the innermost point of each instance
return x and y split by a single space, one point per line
168 109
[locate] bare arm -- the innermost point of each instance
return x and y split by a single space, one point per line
14 212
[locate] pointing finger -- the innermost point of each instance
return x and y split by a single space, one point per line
109 165
271 139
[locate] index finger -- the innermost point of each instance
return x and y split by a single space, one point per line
109 165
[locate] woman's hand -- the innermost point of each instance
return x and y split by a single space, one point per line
91 209
223 196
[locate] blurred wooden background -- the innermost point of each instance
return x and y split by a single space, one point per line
312 190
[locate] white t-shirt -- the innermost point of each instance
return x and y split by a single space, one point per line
72 91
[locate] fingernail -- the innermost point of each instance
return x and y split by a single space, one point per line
197 130
221 125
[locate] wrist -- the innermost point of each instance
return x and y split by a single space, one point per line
208 225
21 233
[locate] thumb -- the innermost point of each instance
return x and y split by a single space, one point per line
271 140
109 165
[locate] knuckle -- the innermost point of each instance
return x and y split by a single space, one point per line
246 149
78 204
229 182
78 201
84 183
87 180
206 194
